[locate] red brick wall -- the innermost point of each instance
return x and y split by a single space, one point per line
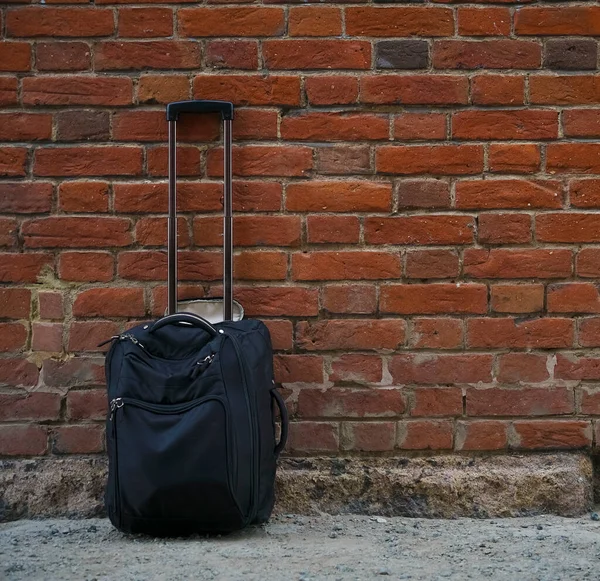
417 188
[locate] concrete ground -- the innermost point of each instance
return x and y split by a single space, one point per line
290 547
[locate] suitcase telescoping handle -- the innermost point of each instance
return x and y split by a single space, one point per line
226 110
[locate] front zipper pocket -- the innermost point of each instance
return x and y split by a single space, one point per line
174 463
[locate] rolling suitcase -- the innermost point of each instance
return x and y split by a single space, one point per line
191 426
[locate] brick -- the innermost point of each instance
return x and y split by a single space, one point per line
498 90
414 90
431 299
17 372
152 126
432 264
521 124
80 232
258 160
77 90
281 333
436 334
359 369
504 228
402 54
368 436
334 127
75 372
498 193
589 332
232 54
23 440
429 368
422 230
249 90
577 367
83 196
425 435
89 404
506 263
141 55
310 437
88 161
338 402
15 56
523 368
78 439
24 267
334 90
338 196
260 266
278 301
25 126
346 265
231 21
47 337
517 298
84 125
483 21
571 54
248 231
571 227
315 21
364 334
255 124
255 196
63 56
50 305
13 337
188 161
145 22
332 229
514 158
30 406
8 91
153 232
343 160
8 232
424 126
573 298
25 197
37 21
298 368
490 54
86 266
546 333
87 335
13 161
437 401
564 90
316 54
399 21
581 123
554 21
481 435
163 88
553 434
110 302
585 193
350 298
423 194
433 160
587 263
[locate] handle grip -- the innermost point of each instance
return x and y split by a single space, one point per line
189 318
200 106
284 421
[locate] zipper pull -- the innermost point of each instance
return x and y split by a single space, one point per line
113 338
202 365
114 405
130 337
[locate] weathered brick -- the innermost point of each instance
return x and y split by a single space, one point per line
78 439
83 125
546 333
553 434
25 197
506 263
89 404
350 403
350 298
491 54
504 228
313 437
496 194
439 333
110 302
298 368
430 299
77 90
367 436
357 368
37 406
423 194
346 265
422 230
481 435
63 56
332 229
402 54
315 21
334 90
423 126
521 124
576 297
498 90
517 298
483 21
432 264
231 21
414 90
430 368
316 54
232 54
13 337
554 21
338 196
437 401
514 158
571 54
50 21
83 196
334 127
145 22
522 368
399 21
142 55
23 440
433 160
425 435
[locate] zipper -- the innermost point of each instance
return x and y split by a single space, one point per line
119 402
114 404
253 428
202 365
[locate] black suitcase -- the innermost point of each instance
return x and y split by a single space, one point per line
191 428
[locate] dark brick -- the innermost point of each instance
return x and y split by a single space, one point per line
83 125
571 54
402 54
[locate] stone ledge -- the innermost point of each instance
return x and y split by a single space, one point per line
438 486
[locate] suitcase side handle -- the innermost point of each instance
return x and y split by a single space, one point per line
200 106
284 421
188 318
